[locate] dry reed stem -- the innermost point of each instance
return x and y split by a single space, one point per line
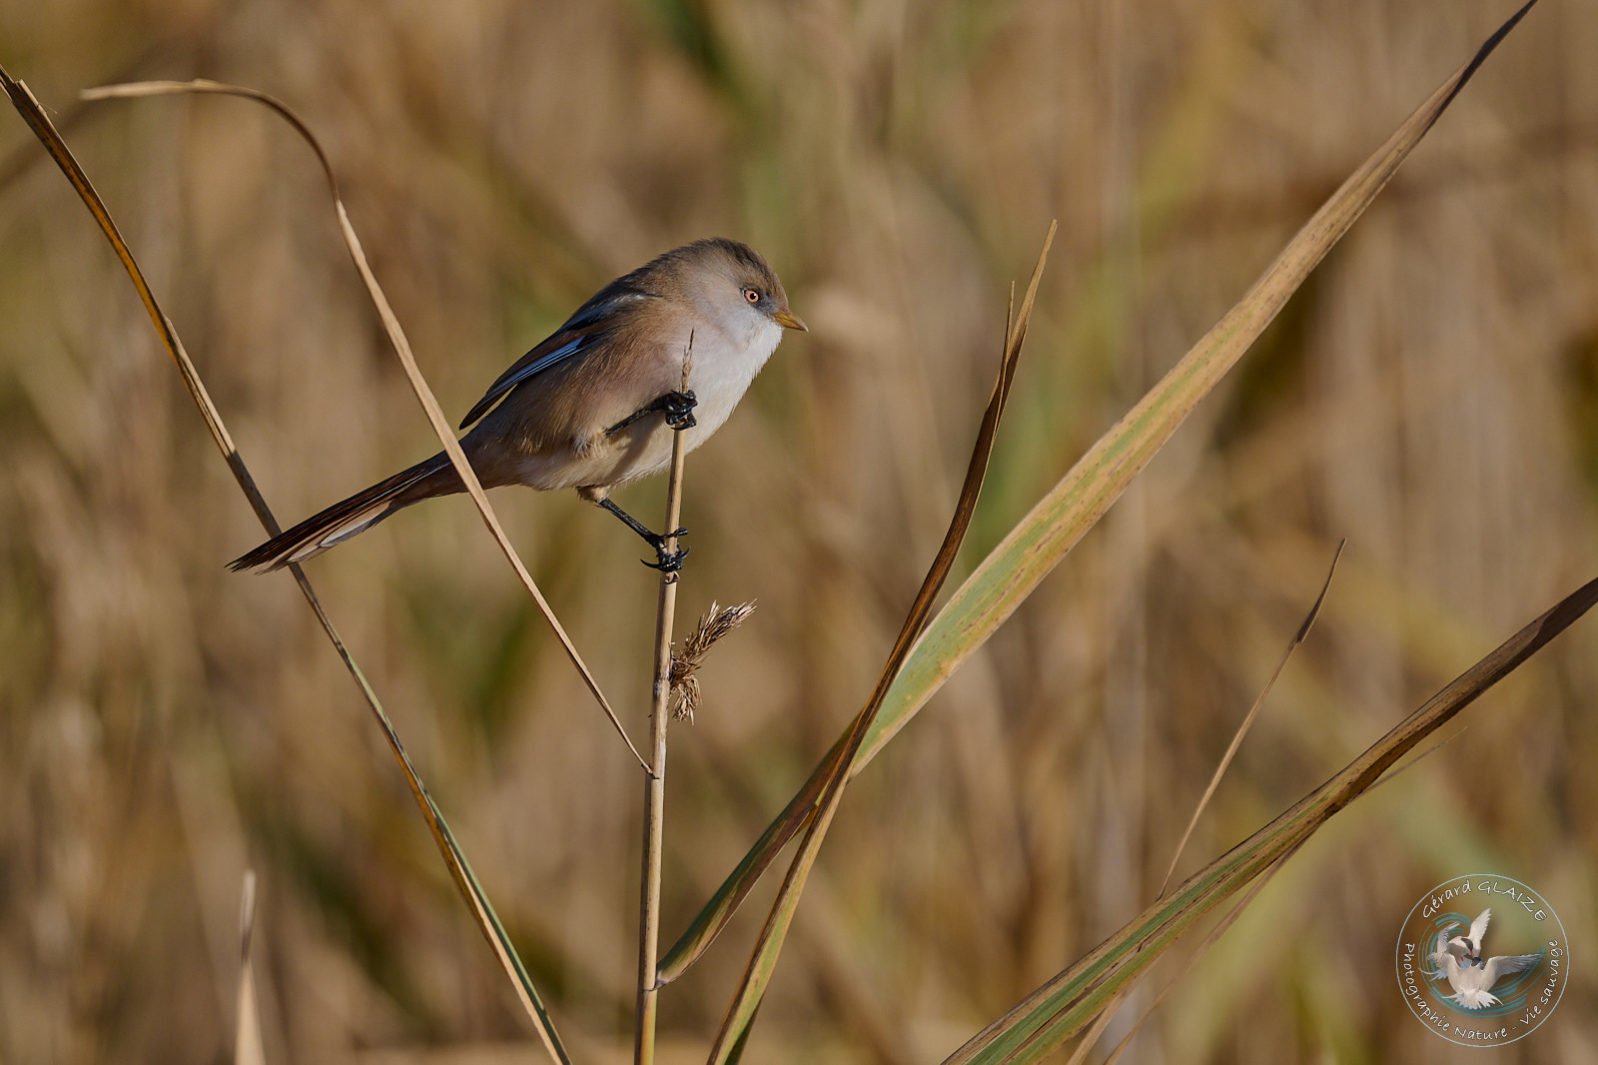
655 775
247 1049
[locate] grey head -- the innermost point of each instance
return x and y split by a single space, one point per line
718 275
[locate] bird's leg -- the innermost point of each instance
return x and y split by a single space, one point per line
678 407
666 561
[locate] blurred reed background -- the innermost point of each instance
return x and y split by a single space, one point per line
1432 395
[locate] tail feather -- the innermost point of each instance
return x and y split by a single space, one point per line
342 520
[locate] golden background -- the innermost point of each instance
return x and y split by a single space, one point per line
1431 394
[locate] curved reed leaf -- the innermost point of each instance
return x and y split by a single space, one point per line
402 349
740 1017
1062 517
1066 1004
460 870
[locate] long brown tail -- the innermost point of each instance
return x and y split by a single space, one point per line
361 511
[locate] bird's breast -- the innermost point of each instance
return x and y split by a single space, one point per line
721 366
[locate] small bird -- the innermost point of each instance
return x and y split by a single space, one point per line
596 404
1468 948
1458 959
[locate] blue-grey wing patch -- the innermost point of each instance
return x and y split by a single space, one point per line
592 321
521 371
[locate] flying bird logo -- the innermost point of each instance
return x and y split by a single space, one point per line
1458 959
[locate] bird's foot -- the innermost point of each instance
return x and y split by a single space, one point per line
666 561
678 408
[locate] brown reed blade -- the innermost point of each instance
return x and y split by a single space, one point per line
1068 1002
487 921
402 348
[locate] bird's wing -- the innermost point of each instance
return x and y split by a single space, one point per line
1478 928
1440 956
592 321
1507 964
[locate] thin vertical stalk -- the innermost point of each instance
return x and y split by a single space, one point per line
655 779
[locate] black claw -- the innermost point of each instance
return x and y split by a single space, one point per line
679 409
668 561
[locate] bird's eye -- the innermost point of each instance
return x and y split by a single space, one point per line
752 295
